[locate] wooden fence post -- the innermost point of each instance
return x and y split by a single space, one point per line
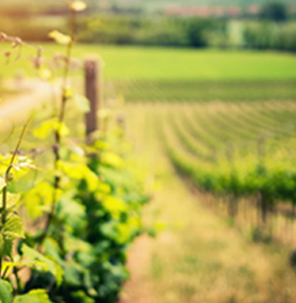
93 92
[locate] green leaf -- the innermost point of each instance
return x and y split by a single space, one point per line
82 103
13 202
46 263
34 296
49 126
12 230
52 249
59 37
44 130
114 206
73 274
39 199
112 159
5 246
5 292
77 171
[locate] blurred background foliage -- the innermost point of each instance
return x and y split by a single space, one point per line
221 24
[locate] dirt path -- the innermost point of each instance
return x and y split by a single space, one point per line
198 258
15 109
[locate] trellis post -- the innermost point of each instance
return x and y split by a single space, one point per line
93 92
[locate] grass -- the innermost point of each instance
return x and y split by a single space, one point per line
152 63
169 64
168 74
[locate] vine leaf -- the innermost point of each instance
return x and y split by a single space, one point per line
13 202
12 230
34 296
45 263
5 292
48 126
60 38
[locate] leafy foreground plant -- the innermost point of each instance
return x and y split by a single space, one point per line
86 209
11 228
98 214
84 253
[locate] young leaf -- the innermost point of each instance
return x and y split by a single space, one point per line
5 292
13 202
114 206
59 37
44 130
111 159
39 199
48 126
12 230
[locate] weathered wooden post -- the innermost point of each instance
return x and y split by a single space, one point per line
93 92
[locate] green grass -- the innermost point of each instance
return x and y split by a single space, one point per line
153 74
189 64
150 63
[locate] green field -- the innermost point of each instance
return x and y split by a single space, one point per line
164 74
150 63
189 64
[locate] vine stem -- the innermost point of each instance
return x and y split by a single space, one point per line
61 117
6 179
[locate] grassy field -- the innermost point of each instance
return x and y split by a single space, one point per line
169 64
167 74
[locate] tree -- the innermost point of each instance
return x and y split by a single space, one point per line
275 11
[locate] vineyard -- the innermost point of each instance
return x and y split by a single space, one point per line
211 160
192 91
91 134
242 154
237 151
70 199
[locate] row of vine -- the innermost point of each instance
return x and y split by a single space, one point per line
83 200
